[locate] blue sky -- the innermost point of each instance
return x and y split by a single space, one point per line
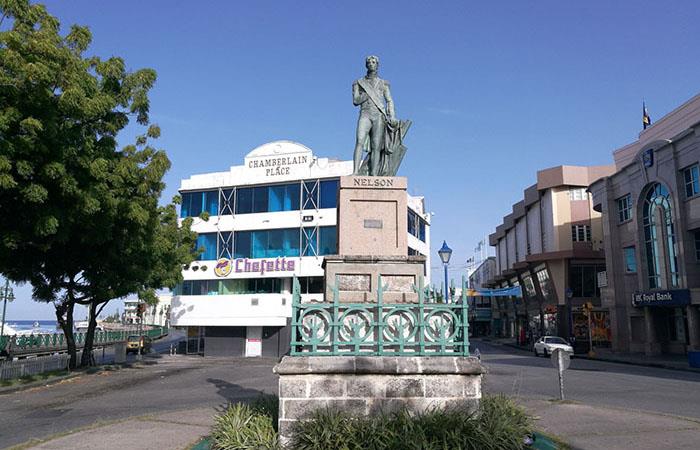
495 90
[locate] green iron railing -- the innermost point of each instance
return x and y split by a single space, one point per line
38 343
426 328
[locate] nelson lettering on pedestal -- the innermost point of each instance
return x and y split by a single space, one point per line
379 133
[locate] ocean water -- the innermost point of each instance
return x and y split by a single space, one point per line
44 326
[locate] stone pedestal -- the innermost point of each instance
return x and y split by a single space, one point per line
357 277
367 385
372 242
372 216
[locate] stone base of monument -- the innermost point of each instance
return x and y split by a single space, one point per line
368 385
357 277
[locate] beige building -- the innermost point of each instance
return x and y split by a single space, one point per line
551 246
651 210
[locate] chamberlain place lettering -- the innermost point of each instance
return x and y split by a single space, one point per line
263 265
277 166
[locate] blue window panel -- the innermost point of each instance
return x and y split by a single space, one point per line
242 244
412 223
207 241
692 181
329 194
185 206
328 241
275 243
290 242
244 200
195 204
275 198
211 202
630 260
260 199
292 197
259 244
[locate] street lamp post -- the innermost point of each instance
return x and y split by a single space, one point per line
6 295
445 252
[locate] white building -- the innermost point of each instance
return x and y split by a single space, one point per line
157 314
270 219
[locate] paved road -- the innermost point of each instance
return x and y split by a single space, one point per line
520 373
166 383
162 383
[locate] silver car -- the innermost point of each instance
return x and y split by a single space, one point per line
547 344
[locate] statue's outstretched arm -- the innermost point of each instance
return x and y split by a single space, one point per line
358 97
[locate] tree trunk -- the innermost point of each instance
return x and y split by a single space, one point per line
88 358
64 316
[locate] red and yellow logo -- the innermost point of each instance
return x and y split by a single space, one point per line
223 267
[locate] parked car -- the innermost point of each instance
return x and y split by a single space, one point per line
547 344
133 343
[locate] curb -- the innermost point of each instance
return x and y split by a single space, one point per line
612 360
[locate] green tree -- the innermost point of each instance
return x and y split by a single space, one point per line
80 218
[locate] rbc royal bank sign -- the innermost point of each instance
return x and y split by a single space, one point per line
677 297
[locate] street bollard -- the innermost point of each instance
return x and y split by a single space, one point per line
561 362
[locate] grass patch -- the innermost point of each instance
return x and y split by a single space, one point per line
499 424
26 379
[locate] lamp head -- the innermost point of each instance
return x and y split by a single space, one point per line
445 253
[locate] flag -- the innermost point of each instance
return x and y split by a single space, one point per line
646 120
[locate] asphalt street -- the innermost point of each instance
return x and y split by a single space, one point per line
161 384
164 383
519 373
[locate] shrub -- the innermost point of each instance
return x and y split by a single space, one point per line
243 427
498 425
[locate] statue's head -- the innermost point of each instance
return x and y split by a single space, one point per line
372 62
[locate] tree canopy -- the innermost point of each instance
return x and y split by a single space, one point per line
80 217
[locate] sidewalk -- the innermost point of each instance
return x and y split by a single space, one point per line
675 362
602 428
168 431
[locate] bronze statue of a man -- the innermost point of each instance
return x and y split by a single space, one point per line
378 131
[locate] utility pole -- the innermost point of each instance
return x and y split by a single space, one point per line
7 295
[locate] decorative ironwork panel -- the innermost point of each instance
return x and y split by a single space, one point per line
429 327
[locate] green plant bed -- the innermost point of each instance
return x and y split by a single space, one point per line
26 379
243 426
499 424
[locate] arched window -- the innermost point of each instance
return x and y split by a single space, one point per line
659 238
